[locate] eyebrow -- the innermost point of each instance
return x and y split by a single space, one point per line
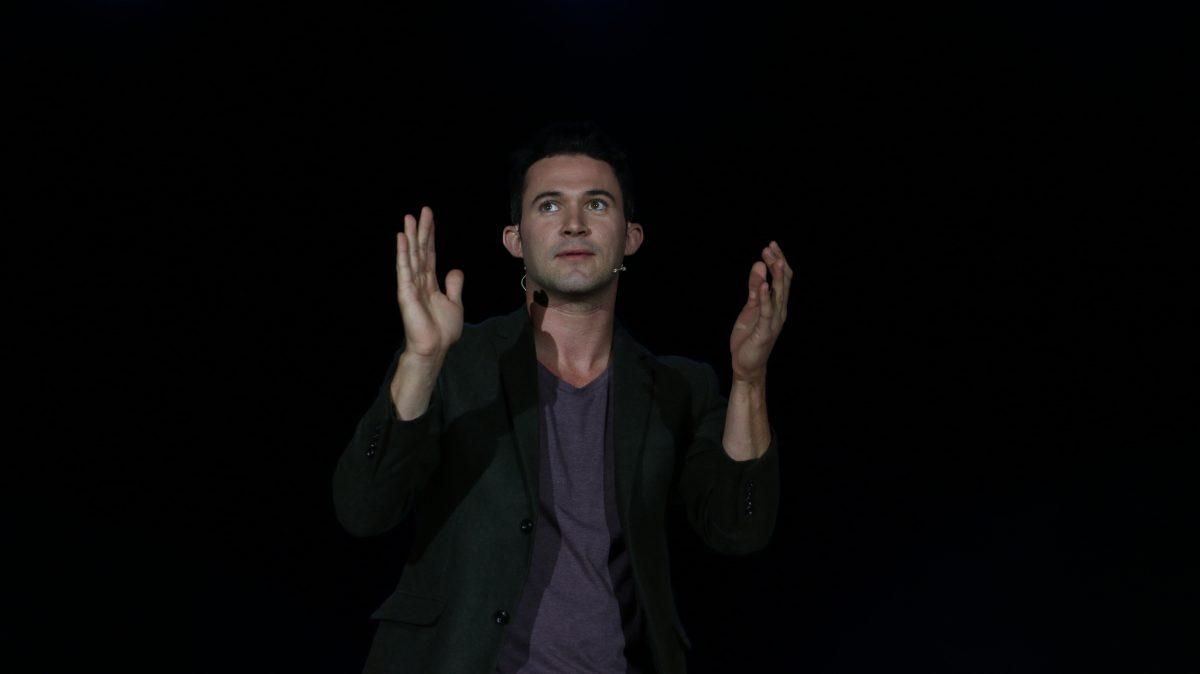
589 193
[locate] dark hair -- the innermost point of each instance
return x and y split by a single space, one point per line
569 137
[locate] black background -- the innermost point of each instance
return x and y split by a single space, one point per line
983 392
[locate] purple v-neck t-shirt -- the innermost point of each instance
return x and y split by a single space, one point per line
577 612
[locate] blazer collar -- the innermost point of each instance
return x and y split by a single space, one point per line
633 389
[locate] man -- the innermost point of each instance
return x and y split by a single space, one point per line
538 451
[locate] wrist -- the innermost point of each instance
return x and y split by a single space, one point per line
751 379
414 362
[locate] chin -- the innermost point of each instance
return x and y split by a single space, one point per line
582 288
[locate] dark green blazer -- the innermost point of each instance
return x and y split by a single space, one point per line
466 470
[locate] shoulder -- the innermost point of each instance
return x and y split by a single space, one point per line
685 384
480 347
480 336
693 378
488 325
474 334
689 368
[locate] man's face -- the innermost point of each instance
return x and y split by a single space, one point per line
572 202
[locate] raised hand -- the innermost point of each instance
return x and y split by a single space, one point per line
759 323
433 320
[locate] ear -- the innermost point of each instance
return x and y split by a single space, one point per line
511 239
633 237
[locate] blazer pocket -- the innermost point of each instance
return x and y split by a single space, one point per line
410 608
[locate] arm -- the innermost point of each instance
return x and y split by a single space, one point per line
747 430
731 504
395 446
730 480
389 458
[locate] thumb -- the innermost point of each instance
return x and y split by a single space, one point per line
454 285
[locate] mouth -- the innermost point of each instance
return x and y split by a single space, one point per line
575 256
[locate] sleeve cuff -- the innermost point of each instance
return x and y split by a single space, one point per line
750 464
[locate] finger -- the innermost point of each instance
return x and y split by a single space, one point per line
774 256
787 276
775 259
777 285
786 286
403 269
777 305
410 233
431 254
454 285
766 308
781 279
779 254
428 276
758 274
748 318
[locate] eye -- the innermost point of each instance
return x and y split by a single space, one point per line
542 206
603 204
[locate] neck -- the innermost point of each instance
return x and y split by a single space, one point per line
576 337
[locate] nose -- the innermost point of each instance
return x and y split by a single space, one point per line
575 224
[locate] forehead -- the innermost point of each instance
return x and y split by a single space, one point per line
570 173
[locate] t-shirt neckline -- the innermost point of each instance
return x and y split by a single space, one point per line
566 386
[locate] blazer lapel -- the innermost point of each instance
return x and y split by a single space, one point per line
633 388
518 373
633 384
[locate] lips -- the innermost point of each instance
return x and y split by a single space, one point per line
575 253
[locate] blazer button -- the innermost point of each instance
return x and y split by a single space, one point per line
501 617
526 525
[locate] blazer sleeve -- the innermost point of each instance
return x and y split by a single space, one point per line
731 504
387 462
